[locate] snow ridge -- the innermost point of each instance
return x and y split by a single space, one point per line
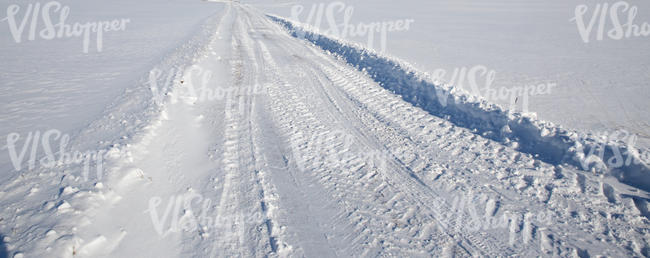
544 140
59 201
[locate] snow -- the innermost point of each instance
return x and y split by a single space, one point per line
546 141
601 85
53 84
217 129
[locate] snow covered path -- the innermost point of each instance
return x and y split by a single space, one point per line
310 157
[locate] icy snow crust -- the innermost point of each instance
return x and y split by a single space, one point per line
546 141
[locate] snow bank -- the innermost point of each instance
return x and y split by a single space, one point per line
60 202
544 140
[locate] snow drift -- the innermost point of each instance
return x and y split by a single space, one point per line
544 140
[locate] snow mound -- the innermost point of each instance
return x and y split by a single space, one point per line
544 140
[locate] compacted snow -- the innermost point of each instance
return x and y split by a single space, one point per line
221 129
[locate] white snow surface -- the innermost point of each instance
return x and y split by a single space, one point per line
214 131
